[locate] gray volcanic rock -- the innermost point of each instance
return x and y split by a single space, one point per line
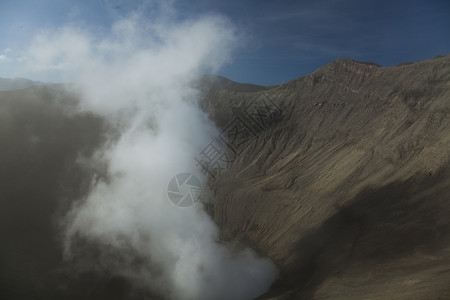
350 193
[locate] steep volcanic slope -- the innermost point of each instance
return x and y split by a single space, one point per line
350 193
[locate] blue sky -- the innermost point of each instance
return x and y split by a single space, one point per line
282 40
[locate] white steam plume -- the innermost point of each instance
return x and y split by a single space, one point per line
139 77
